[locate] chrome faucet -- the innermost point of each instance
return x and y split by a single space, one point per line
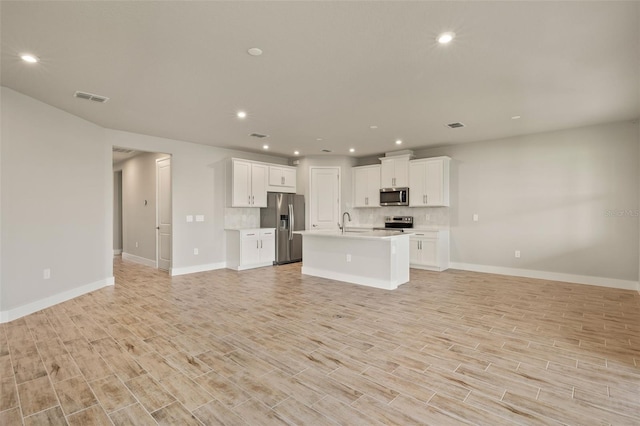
343 225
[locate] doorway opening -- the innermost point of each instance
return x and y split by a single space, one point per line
142 207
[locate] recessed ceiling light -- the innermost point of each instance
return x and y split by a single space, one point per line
254 51
296 152
352 150
516 117
373 127
27 57
398 142
241 114
445 38
265 146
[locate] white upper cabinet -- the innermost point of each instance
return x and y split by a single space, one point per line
282 179
366 186
394 171
248 183
429 182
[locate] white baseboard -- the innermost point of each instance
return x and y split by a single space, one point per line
138 259
29 308
552 276
197 268
117 252
353 279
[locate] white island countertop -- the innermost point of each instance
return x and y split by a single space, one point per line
371 234
373 258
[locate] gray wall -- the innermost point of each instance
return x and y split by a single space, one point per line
561 198
138 218
56 174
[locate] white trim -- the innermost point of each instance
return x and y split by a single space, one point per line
29 308
117 252
197 268
552 276
251 266
138 259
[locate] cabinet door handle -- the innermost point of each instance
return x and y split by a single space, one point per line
260 243
249 196
257 244
282 180
366 201
252 200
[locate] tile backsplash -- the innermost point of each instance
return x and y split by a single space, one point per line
438 216
241 218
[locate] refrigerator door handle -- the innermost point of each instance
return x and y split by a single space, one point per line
291 222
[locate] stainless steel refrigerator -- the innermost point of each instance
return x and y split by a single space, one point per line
285 213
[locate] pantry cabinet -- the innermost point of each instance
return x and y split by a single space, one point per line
429 182
366 186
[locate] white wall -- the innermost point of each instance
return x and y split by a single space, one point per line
561 198
56 203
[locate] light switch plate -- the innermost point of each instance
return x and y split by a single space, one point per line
189 218
200 218
475 217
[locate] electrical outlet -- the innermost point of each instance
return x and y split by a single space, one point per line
348 258
517 254
196 251
475 217
427 217
136 244
46 274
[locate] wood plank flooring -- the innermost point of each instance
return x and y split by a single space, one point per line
270 346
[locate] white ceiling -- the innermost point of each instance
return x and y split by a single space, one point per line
329 70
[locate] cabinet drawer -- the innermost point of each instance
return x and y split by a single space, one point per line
425 234
250 233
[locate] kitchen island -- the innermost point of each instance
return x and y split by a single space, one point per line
373 258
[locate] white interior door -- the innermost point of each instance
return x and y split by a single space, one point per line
163 214
324 199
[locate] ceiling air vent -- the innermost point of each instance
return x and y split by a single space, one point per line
455 125
258 135
91 97
326 150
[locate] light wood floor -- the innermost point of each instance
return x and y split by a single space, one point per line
269 346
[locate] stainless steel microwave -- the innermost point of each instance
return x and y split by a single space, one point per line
394 197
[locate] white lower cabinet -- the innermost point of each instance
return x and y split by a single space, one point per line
250 248
429 250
